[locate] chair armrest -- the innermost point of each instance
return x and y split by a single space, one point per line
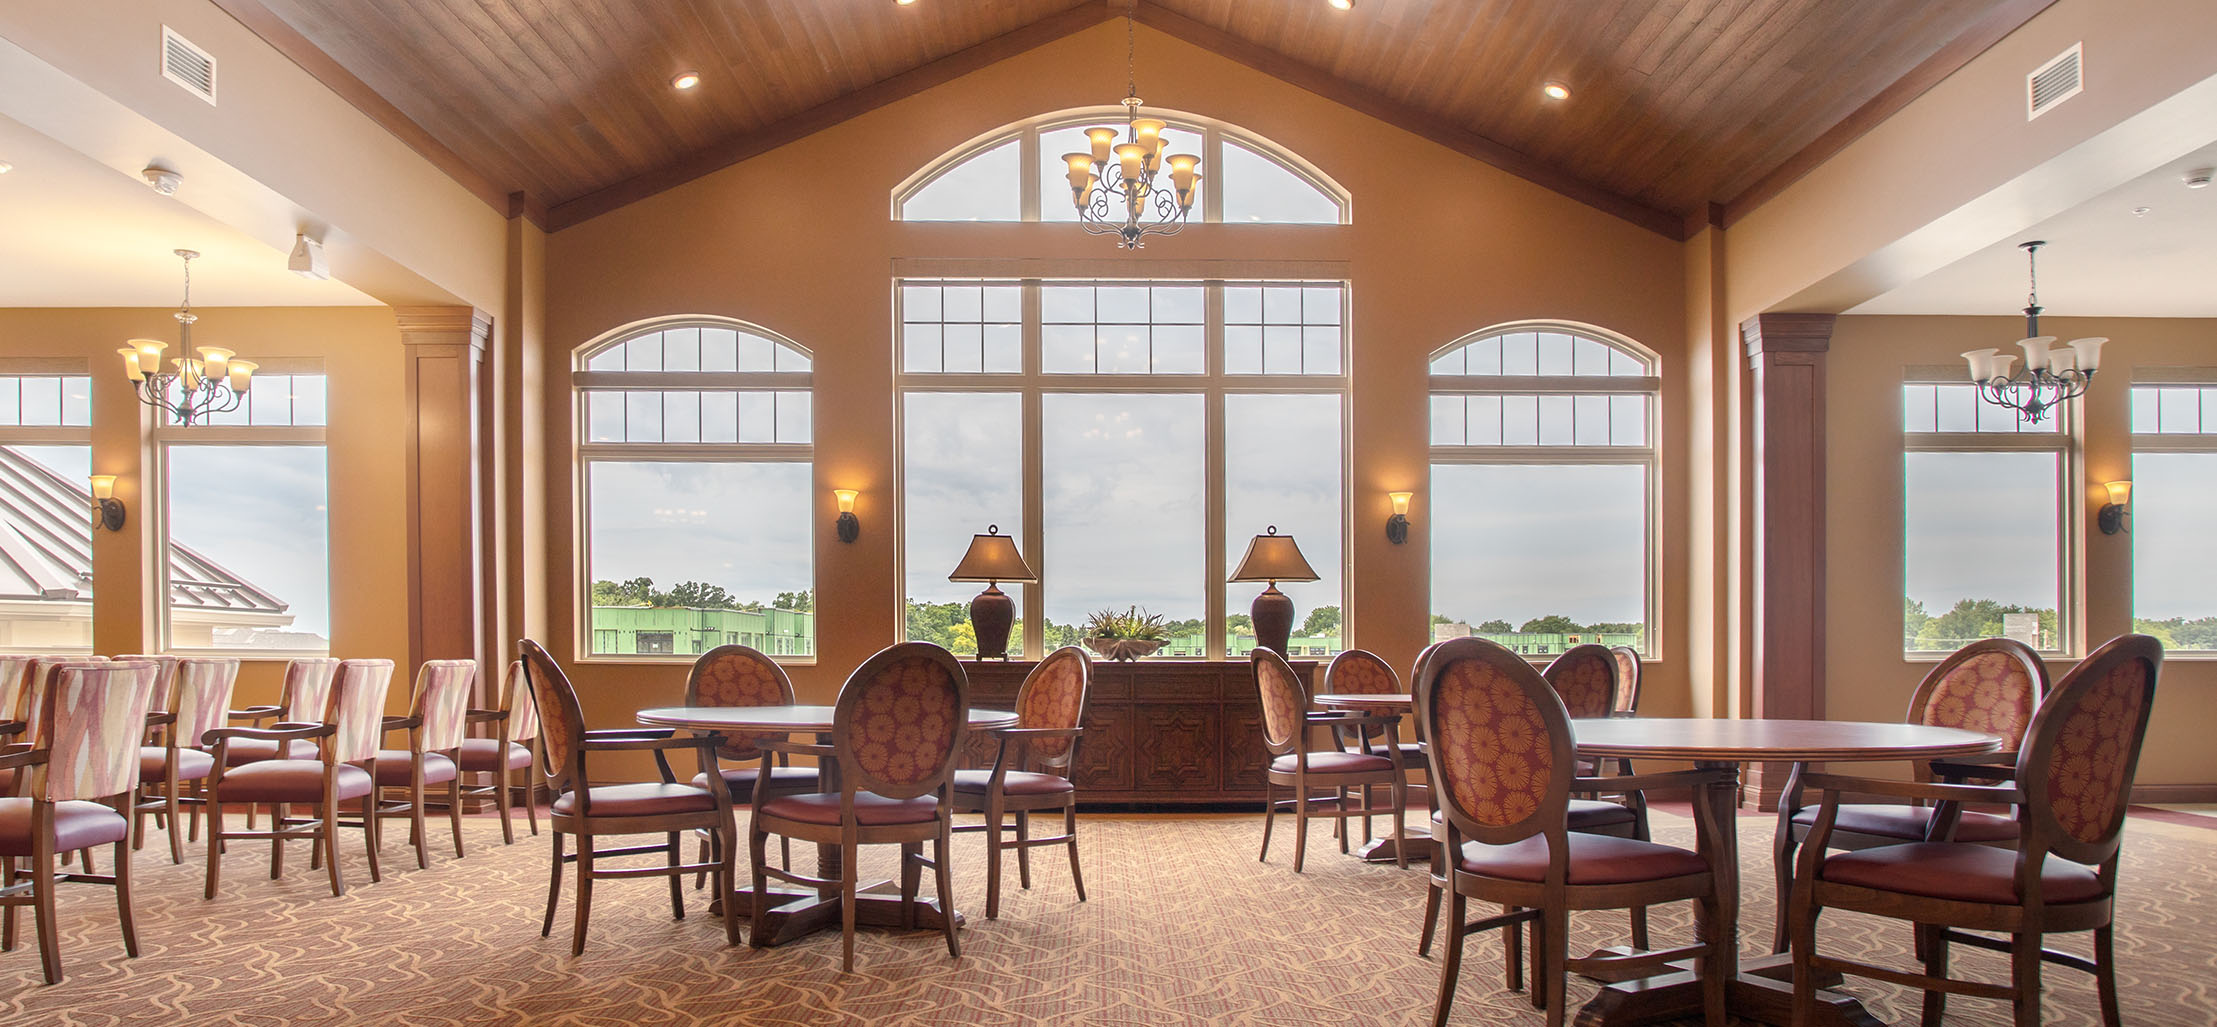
621 733
665 742
1342 719
1987 765
1642 782
268 734
402 723
1036 732
484 716
23 758
255 712
160 718
11 728
1834 784
799 748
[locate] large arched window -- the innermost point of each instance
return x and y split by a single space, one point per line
1544 488
1015 173
695 453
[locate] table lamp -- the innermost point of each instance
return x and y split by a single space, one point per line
992 559
1273 558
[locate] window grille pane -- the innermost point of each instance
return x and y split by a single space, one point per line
1448 421
48 576
983 188
1577 568
684 553
1105 456
248 547
1301 498
961 470
2174 552
1976 527
1259 190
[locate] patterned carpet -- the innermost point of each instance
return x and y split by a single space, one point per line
1184 928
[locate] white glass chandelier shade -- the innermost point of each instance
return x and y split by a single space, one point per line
2052 376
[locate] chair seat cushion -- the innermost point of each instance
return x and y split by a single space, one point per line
1908 822
291 781
870 809
393 767
1018 782
1962 871
77 825
1594 859
639 800
783 781
1334 763
1587 814
192 764
481 755
243 751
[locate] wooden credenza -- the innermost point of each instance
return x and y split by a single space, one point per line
1169 732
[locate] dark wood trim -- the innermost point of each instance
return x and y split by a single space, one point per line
2005 18
822 116
528 207
288 41
2206 792
1376 105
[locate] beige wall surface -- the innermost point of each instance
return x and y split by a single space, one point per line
1866 675
800 241
360 351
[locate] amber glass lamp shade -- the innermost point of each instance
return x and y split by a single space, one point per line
992 558
1273 558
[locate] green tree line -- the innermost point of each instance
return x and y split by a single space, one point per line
694 595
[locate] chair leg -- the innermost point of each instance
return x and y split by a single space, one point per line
1557 953
1782 866
554 888
7 913
2105 973
725 845
454 810
1300 826
993 857
584 893
416 832
530 804
1070 831
501 801
1639 927
676 850
215 850
1802 941
700 880
1269 818
1339 824
277 813
1431 917
1934 941
327 837
373 830
944 880
1539 942
1713 983
1512 954
758 860
123 900
42 911
1398 791
1024 849
912 876
847 871
2024 978
1451 961
176 826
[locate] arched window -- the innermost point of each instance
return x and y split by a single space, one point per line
1545 487
1015 173
695 452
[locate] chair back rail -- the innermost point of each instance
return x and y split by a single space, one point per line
442 700
1360 672
736 675
1053 697
1285 702
2077 764
357 708
91 720
1585 677
1500 747
165 672
561 719
900 721
200 696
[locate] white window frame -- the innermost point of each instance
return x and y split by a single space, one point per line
2156 442
1213 384
2064 442
1648 456
584 453
49 435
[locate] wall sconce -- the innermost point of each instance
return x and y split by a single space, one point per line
1397 526
2113 516
850 527
110 509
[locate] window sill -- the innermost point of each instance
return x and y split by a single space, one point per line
678 660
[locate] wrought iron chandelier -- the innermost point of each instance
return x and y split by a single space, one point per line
1114 186
193 388
2051 376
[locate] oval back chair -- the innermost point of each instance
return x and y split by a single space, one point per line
1031 770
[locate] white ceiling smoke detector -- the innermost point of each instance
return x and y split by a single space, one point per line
163 180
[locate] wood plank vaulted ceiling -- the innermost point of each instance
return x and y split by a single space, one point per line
1678 105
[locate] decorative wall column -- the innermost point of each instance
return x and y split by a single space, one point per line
1786 352
445 352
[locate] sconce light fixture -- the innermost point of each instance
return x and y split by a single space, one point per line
110 509
850 527
2113 516
1397 526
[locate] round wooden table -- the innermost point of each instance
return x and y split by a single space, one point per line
795 912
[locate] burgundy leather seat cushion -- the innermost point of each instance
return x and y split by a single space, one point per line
1958 870
1334 763
484 754
1018 782
192 764
291 781
783 780
1594 859
870 808
77 825
652 799
243 751
393 767
1908 822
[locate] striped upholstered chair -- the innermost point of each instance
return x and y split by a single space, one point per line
435 721
305 699
198 701
513 740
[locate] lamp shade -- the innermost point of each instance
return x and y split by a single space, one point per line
992 557
1273 557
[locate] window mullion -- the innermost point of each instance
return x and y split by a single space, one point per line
1035 505
1212 513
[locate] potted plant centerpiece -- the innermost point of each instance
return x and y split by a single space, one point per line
1125 636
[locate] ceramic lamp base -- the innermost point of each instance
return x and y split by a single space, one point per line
1273 614
991 614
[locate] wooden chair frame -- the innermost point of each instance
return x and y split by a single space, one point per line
1409 754
1940 922
739 750
502 787
1302 780
413 806
996 803
166 797
565 768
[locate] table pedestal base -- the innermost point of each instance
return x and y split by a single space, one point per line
796 912
1763 992
1418 843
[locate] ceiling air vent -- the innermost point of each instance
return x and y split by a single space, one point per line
2054 82
188 65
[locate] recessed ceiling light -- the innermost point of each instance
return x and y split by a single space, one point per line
686 79
2199 178
1556 91
2141 212
905 3
6 167
1341 5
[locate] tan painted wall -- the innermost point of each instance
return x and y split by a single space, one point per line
799 240
1867 678
360 350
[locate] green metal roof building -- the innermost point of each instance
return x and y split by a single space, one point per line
690 631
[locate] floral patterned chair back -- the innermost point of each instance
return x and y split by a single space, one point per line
735 675
357 707
1053 697
165 672
1500 744
1585 676
200 696
37 675
1992 685
561 720
1285 701
1361 672
900 721
91 719
2079 757
1628 680
523 714
442 699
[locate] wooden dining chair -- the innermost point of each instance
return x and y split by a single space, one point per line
1287 723
1502 759
1992 686
589 811
1032 775
1628 681
1590 681
2069 789
305 700
343 768
896 733
437 712
198 701
1362 672
511 747
91 720
735 675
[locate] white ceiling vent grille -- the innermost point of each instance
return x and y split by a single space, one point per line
2054 82
188 65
